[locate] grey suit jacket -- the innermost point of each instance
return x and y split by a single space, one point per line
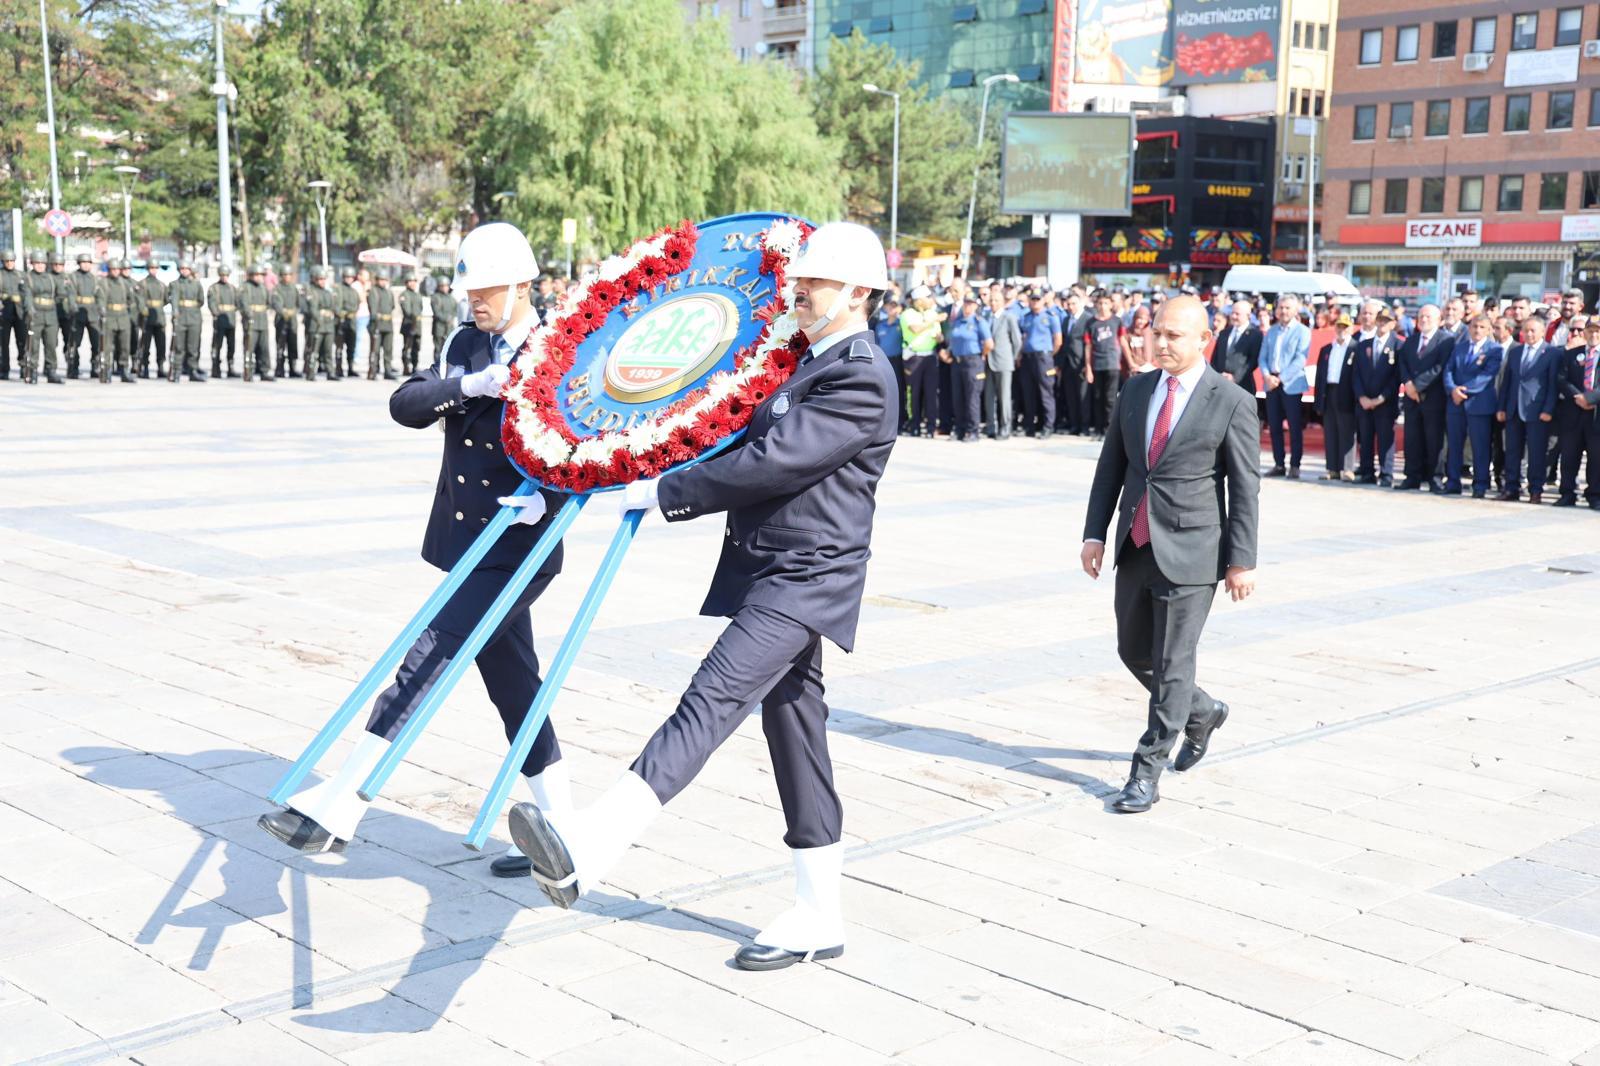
1203 508
799 492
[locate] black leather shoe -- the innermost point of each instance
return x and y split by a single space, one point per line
1408 486
1385 481
1509 497
1294 473
299 832
1276 471
1197 738
1366 479
1566 501
1435 485
762 957
1479 494
549 864
55 379
511 866
1138 796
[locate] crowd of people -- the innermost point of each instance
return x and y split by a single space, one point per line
131 322
1475 389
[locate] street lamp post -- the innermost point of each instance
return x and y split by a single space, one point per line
1311 175
972 202
126 174
222 91
320 191
50 118
894 180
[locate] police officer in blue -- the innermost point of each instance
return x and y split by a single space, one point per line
798 493
495 266
886 331
1041 337
969 340
1469 385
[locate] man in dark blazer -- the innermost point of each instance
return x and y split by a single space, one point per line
1183 454
1238 348
1469 383
1334 400
1422 358
1576 418
798 493
1072 413
1528 394
1375 384
463 390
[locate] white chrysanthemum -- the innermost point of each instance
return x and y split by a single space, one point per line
784 237
615 268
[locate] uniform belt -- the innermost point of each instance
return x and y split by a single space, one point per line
224 307
43 301
188 303
155 305
87 301
14 298
286 312
116 307
324 312
256 309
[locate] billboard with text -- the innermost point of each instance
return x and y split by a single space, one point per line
1222 41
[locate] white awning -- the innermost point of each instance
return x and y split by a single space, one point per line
1511 253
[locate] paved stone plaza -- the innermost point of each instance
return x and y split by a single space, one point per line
1391 855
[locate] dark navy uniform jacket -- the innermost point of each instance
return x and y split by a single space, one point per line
474 472
1376 372
799 492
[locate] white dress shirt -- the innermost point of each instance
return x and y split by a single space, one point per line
1186 383
1336 360
507 343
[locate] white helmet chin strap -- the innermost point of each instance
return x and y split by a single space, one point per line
838 305
511 302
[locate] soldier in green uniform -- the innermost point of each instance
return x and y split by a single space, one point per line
187 296
86 316
322 318
46 323
347 304
286 317
411 304
255 304
118 294
152 322
58 273
135 309
222 300
380 329
446 314
16 313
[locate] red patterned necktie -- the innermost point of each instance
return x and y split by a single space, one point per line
1158 444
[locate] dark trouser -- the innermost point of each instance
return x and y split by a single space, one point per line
947 394
288 341
185 349
924 392
1037 371
1375 438
256 351
154 332
119 348
898 365
320 355
45 340
1536 435
768 657
1580 439
380 360
1158 630
966 374
222 330
410 351
997 402
345 341
1497 438
1074 411
1338 434
1463 428
1424 434
12 327
82 323
508 665
1285 407
1103 398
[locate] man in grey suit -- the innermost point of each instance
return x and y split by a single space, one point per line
1183 455
798 493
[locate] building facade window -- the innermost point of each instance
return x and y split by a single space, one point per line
1471 194
1483 34
1432 196
1569 26
1559 116
1361 198
1371 47
1317 102
1366 125
1444 40
1322 37
1438 118
1553 192
1405 44
1395 193
1524 31
1510 192
1594 108
1477 118
1400 119
1591 190
1519 109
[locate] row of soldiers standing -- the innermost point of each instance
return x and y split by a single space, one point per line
125 322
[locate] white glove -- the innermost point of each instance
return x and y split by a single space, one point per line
639 496
530 509
486 382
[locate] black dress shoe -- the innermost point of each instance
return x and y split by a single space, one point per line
1294 473
1385 481
1276 471
1198 738
1509 497
1478 494
299 832
55 379
1566 501
1435 485
1408 486
1594 505
1450 492
1138 796
763 957
511 866
549 863
1535 498
1366 479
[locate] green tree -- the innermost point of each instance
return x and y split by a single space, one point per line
628 118
936 140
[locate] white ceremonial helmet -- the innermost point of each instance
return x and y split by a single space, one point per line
494 254
844 252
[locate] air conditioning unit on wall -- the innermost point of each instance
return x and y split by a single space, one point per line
1591 49
1477 61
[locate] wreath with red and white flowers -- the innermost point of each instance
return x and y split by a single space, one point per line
537 437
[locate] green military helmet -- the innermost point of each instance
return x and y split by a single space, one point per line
350 271
52 259
224 271
117 264
442 282
85 257
8 256
186 265
36 257
256 268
